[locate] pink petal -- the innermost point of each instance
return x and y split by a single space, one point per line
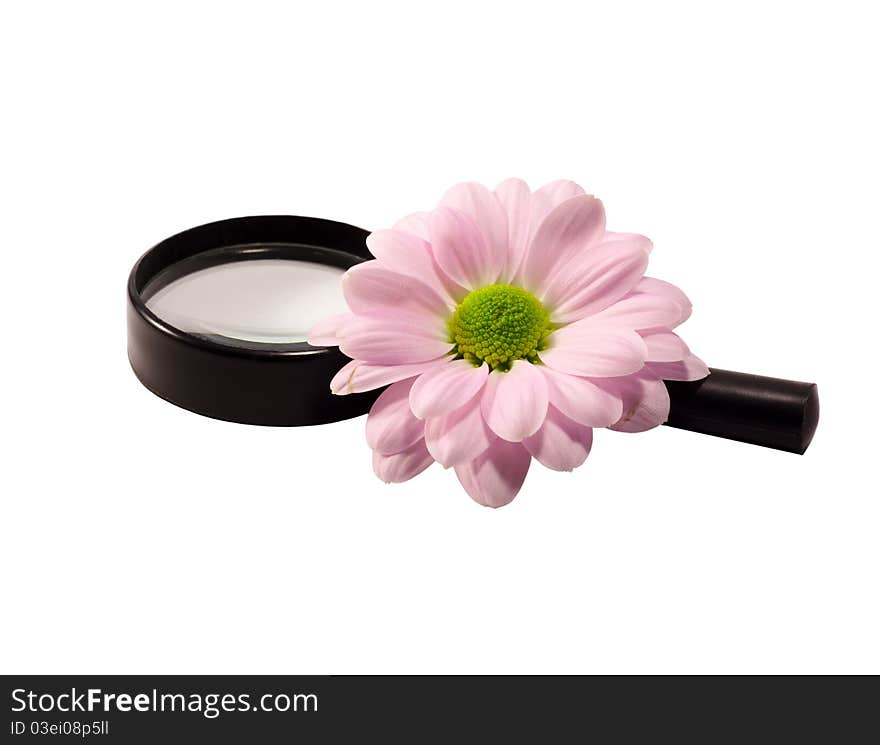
515 197
357 376
389 341
658 287
595 279
550 196
485 210
515 403
391 426
458 437
495 477
539 204
629 238
582 400
595 351
461 251
664 346
645 402
560 190
560 444
573 226
446 388
407 254
370 288
404 465
641 311
415 224
325 333
690 368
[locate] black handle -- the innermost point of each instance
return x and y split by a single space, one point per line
774 413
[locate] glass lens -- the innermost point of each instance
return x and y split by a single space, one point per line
260 301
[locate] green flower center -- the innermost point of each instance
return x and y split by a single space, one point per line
498 324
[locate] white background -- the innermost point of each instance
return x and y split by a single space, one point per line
138 537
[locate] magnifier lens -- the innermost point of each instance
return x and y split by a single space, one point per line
249 302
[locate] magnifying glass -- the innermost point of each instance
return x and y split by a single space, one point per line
218 316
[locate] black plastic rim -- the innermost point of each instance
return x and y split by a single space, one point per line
287 385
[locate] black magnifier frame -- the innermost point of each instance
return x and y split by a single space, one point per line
246 382
289 384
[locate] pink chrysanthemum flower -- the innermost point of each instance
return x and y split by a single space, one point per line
508 324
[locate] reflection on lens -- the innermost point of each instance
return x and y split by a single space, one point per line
263 301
